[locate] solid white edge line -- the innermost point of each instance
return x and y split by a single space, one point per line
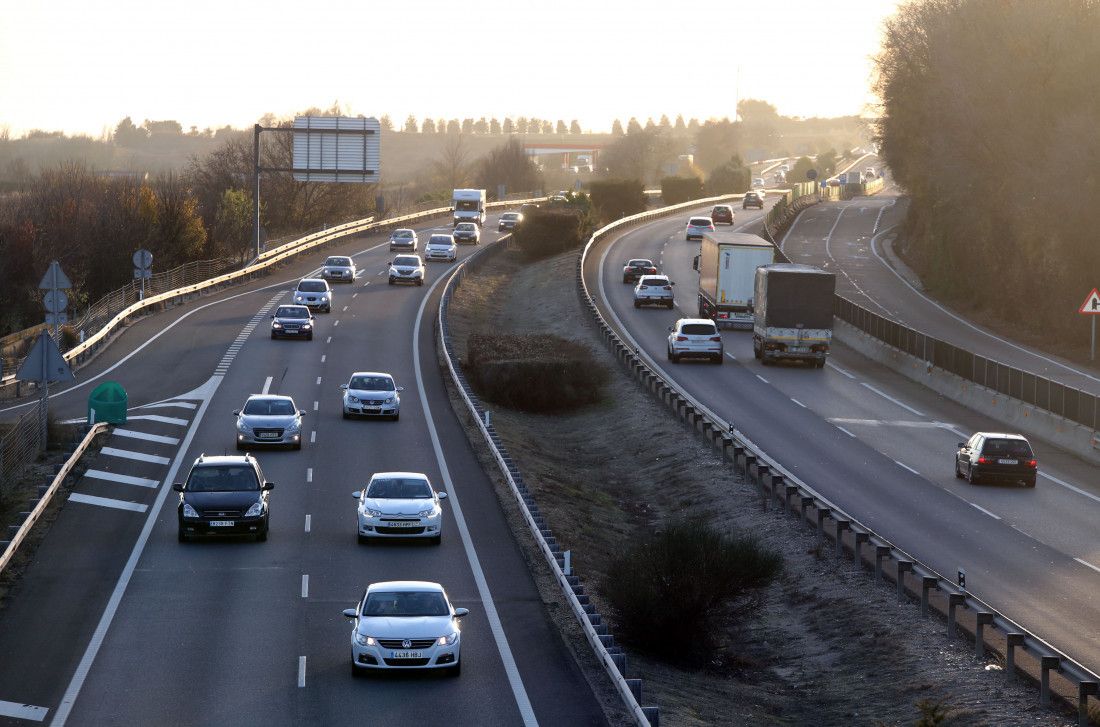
796 401
523 703
267 385
832 365
308 523
305 585
23 711
762 379
845 431
85 665
1087 564
1068 486
884 395
987 512
902 464
301 671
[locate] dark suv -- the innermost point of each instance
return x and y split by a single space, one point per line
752 199
997 458
722 213
223 496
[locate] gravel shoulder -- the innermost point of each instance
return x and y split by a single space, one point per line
824 647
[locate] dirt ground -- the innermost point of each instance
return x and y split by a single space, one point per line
827 647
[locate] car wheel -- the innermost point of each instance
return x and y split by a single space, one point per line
719 359
298 445
357 672
765 359
396 416
346 415
363 539
309 337
455 670
1029 482
328 309
261 537
420 282
674 357
958 472
391 281
239 446
181 536
669 305
437 539
273 336
637 304
971 477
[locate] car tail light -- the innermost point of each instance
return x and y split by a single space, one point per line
983 460
1033 463
681 338
643 287
716 338
668 287
651 270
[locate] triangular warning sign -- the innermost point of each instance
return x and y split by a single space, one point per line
1091 306
44 363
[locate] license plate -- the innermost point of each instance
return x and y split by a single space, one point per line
291 330
372 409
268 435
798 349
402 524
1008 461
407 655
221 523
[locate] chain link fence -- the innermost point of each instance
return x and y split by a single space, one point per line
21 445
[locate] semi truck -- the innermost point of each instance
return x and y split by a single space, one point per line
469 206
727 264
793 315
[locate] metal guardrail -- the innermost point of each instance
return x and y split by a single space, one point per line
30 518
794 495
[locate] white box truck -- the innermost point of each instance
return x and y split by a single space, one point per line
727 266
469 206
793 318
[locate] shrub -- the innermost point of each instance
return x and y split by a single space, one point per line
675 190
675 589
733 177
534 373
549 231
616 198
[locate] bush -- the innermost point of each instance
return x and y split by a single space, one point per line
676 589
616 198
534 373
733 177
549 231
675 190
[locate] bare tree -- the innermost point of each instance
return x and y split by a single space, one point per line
452 166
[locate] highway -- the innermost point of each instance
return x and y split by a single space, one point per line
143 629
881 447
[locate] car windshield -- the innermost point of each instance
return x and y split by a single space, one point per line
466 227
650 280
406 603
510 216
444 240
1016 448
721 210
371 383
698 329
406 260
700 222
399 488
402 233
222 478
640 263
467 205
312 286
750 195
338 262
269 407
291 311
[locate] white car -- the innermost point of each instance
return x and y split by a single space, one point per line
314 293
269 419
441 247
869 173
697 227
340 268
370 393
405 625
695 337
407 269
403 239
653 290
399 505
758 183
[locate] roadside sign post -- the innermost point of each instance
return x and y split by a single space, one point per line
143 261
45 364
1091 307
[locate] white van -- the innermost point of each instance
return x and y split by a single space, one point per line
469 206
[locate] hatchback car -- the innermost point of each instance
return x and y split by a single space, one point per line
314 293
697 227
441 247
636 268
403 239
995 457
405 625
292 321
223 496
407 269
752 198
509 221
269 419
467 233
758 183
722 213
370 393
869 173
653 290
339 268
399 505
695 337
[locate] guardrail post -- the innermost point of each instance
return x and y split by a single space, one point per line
858 539
1046 663
1084 690
981 620
954 600
1012 641
841 526
822 513
804 502
652 714
904 566
635 686
789 490
881 551
927 583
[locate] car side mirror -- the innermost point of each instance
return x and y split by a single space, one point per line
670 329
301 412
236 412
273 315
344 387
350 613
671 282
178 486
400 388
962 445
441 495
357 494
460 612
268 486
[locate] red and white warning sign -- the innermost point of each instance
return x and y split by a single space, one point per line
1091 306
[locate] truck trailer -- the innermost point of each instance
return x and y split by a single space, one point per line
793 316
727 264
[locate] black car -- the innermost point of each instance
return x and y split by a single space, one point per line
752 199
509 221
636 268
528 208
292 321
996 457
722 213
223 496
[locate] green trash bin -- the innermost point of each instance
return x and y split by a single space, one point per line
107 403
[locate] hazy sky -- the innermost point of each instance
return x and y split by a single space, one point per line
81 65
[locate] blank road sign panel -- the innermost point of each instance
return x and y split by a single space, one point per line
336 149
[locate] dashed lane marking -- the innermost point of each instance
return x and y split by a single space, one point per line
309 474
902 464
267 384
308 523
1088 565
23 711
796 401
832 365
846 431
158 438
301 671
107 502
305 585
762 379
124 479
139 456
318 381
313 437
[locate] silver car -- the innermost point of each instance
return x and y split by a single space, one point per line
403 239
269 419
399 505
370 393
441 247
339 268
405 625
467 232
695 337
314 293
653 290
407 269
697 227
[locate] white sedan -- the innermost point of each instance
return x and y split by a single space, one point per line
407 269
399 505
405 625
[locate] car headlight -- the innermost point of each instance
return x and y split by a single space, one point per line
298 298
372 513
448 640
430 512
189 511
276 324
365 640
353 399
241 427
256 510
324 298
306 326
390 400
294 426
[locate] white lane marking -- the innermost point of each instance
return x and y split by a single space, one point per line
987 512
267 384
316 404
107 502
894 423
846 431
309 474
796 401
305 585
308 523
23 711
1087 564
515 681
906 467
762 378
139 456
345 307
336 323
301 671
323 357
886 396
124 479
328 340
158 418
159 438
380 272
313 437
168 404
1068 486
366 284
731 356
318 380
832 365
